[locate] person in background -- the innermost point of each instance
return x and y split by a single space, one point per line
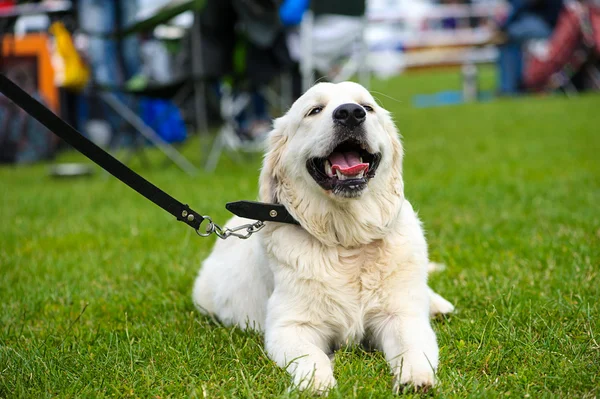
528 20
572 57
112 62
244 40
452 22
100 19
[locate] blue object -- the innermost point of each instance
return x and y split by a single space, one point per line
528 27
164 117
443 98
510 68
291 11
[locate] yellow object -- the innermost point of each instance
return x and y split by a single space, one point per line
70 70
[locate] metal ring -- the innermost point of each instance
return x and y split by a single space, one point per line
210 228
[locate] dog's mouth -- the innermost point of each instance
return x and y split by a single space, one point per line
346 170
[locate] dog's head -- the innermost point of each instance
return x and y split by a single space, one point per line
335 154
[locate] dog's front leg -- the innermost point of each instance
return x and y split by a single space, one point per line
404 334
300 348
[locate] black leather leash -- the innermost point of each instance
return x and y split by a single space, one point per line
252 210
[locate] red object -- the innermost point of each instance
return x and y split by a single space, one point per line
566 48
4 4
348 163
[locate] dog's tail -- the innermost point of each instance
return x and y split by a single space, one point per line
433 267
438 305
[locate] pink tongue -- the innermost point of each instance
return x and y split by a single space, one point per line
347 162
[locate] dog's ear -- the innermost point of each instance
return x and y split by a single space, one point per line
271 168
397 155
397 149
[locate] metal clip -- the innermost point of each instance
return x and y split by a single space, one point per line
224 233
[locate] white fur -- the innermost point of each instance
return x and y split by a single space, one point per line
356 269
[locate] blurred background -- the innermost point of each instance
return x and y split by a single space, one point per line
498 106
139 73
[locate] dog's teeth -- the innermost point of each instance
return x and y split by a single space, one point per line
360 160
328 170
341 176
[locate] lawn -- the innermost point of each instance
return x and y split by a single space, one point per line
95 282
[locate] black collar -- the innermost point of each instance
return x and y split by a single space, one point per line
261 211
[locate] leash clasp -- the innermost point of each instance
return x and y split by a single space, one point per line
225 233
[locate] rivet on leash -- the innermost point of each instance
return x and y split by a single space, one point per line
190 217
184 213
273 213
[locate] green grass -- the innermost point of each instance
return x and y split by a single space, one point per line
95 281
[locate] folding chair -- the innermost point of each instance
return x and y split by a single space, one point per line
184 85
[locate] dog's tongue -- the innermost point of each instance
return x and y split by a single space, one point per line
348 163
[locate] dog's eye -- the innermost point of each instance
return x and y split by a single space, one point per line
367 108
315 111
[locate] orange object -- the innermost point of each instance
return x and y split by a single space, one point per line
35 45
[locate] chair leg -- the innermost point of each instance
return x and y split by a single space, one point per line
215 152
306 63
134 120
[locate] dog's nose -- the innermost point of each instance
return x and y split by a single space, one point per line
349 115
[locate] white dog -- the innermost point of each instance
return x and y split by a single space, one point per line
355 270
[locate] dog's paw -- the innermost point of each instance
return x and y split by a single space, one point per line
418 375
438 305
319 381
423 378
